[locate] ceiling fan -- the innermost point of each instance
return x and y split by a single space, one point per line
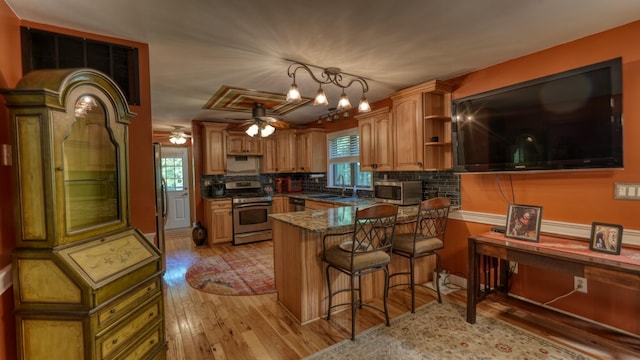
260 122
178 136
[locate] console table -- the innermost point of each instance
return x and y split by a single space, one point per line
558 254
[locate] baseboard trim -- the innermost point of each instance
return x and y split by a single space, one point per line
629 236
5 279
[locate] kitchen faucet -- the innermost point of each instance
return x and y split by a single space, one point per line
340 179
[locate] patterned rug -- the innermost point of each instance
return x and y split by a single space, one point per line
239 272
439 331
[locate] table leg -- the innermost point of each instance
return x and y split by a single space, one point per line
473 281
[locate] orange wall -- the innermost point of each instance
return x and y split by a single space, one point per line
577 197
142 203
580 197
10 73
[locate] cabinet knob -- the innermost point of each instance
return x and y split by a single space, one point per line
419 164
375 166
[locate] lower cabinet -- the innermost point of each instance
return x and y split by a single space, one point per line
219 221
317 205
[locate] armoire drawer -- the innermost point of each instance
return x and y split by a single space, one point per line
128 329
123 306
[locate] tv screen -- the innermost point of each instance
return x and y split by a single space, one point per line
569 120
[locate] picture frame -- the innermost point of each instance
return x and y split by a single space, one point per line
606 238
523 222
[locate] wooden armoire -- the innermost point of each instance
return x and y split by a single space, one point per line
87 285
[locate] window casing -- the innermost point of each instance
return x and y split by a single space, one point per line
344 161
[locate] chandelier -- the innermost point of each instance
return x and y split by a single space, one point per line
260 122
330 75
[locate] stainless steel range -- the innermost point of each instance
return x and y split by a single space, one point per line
251 209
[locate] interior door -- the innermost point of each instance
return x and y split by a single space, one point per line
175 171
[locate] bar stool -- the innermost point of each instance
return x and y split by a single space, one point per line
427 238
367 251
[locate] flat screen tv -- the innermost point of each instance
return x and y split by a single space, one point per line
570 120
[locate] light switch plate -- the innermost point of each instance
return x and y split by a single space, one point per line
626 191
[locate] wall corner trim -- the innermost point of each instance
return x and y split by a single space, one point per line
5 279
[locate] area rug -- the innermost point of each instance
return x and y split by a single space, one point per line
439 331
238 272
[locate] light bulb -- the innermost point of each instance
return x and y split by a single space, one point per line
364 105
321 98
252 130
294 94
267 130
344 103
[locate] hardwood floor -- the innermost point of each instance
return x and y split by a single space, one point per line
206 326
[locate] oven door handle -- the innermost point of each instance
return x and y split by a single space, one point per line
240 206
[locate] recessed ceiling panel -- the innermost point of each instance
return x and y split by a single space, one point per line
229 98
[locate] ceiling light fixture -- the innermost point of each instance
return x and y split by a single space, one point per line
260 125
330 75
178 138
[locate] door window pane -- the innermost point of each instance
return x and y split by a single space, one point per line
172 173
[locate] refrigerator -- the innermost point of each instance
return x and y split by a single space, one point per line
160 200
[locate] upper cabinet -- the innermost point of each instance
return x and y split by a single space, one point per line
239 143
286 150
420 115
311 154
376 144
268 163
214 157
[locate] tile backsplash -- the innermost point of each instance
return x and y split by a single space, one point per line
434 183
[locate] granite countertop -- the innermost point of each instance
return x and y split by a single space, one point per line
336 219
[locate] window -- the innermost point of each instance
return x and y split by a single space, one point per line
344 165
172 173
48 50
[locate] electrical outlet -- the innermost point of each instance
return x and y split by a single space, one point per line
580 284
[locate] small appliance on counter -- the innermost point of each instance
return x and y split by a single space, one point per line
281 185
294 185
398 192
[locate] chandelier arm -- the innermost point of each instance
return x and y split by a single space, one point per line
361 81
297 66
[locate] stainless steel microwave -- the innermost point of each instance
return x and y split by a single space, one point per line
398 192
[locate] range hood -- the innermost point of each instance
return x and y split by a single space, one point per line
243 165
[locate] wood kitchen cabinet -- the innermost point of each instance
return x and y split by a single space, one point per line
219 221
268 163
87 285
280 204
317 205
286 150
239 143
214 156
410 106
376 145
311 155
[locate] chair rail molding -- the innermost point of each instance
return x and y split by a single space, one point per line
629 236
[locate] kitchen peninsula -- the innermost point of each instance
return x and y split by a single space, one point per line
299 271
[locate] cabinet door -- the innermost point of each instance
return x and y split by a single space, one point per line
286 148
235 144
407 115
311 152
280 204
253 145
223 225
269 156
214 155
317 205
367 144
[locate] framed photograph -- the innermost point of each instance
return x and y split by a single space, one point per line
523 222
606 238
